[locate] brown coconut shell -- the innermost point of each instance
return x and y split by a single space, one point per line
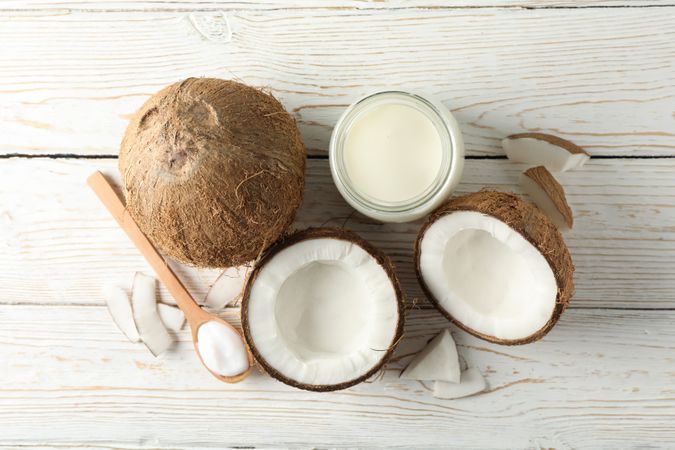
212 171
318 233
554 190
551 139
534 226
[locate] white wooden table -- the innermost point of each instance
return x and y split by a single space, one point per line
600 73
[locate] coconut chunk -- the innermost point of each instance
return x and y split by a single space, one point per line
471 383
496 266
548 195
146 315
172 317
119 307
437 361
227 288
322 310
539 149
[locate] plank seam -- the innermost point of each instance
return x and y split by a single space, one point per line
314 157
332 8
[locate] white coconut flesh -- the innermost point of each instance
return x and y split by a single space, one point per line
487 276
437 361
539 152
471 383
322 312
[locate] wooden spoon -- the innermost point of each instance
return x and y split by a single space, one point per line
194 315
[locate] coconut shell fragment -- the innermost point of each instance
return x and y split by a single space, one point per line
548 195
212 170
521 247
540 149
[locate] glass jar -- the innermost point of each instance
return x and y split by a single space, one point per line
445 181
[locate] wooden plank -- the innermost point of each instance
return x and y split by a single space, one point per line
72 79
601 379
169 5
60 245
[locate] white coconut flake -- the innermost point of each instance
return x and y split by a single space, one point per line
227 288
471 383
119 307
437 361
543 151
148 322
172 317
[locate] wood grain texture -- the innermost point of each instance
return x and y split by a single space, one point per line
601 379
605 80
60 244
164 5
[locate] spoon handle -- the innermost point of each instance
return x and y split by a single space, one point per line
105 192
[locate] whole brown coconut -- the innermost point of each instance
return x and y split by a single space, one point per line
212 170
533 225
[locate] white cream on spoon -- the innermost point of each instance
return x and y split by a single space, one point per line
221 349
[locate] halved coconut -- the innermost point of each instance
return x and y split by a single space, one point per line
541 149
322 310
496 266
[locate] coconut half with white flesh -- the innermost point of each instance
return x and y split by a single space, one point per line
322 310
496 266
540 149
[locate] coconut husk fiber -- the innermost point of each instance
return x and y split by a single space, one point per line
212 170
526 219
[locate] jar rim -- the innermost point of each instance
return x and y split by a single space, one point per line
341 130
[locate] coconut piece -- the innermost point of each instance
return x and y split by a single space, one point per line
555 153
322 310
437 361
144 304
471 383
172 317
212 171
496 266
548 195
119 307
227 288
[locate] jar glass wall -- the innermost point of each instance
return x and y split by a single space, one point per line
447 175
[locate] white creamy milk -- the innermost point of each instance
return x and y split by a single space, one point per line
392 153
222 349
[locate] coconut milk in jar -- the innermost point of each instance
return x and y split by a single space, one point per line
396 156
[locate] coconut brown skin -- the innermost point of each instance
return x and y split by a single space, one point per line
317 233
553 189
212 170
534 226
551 139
